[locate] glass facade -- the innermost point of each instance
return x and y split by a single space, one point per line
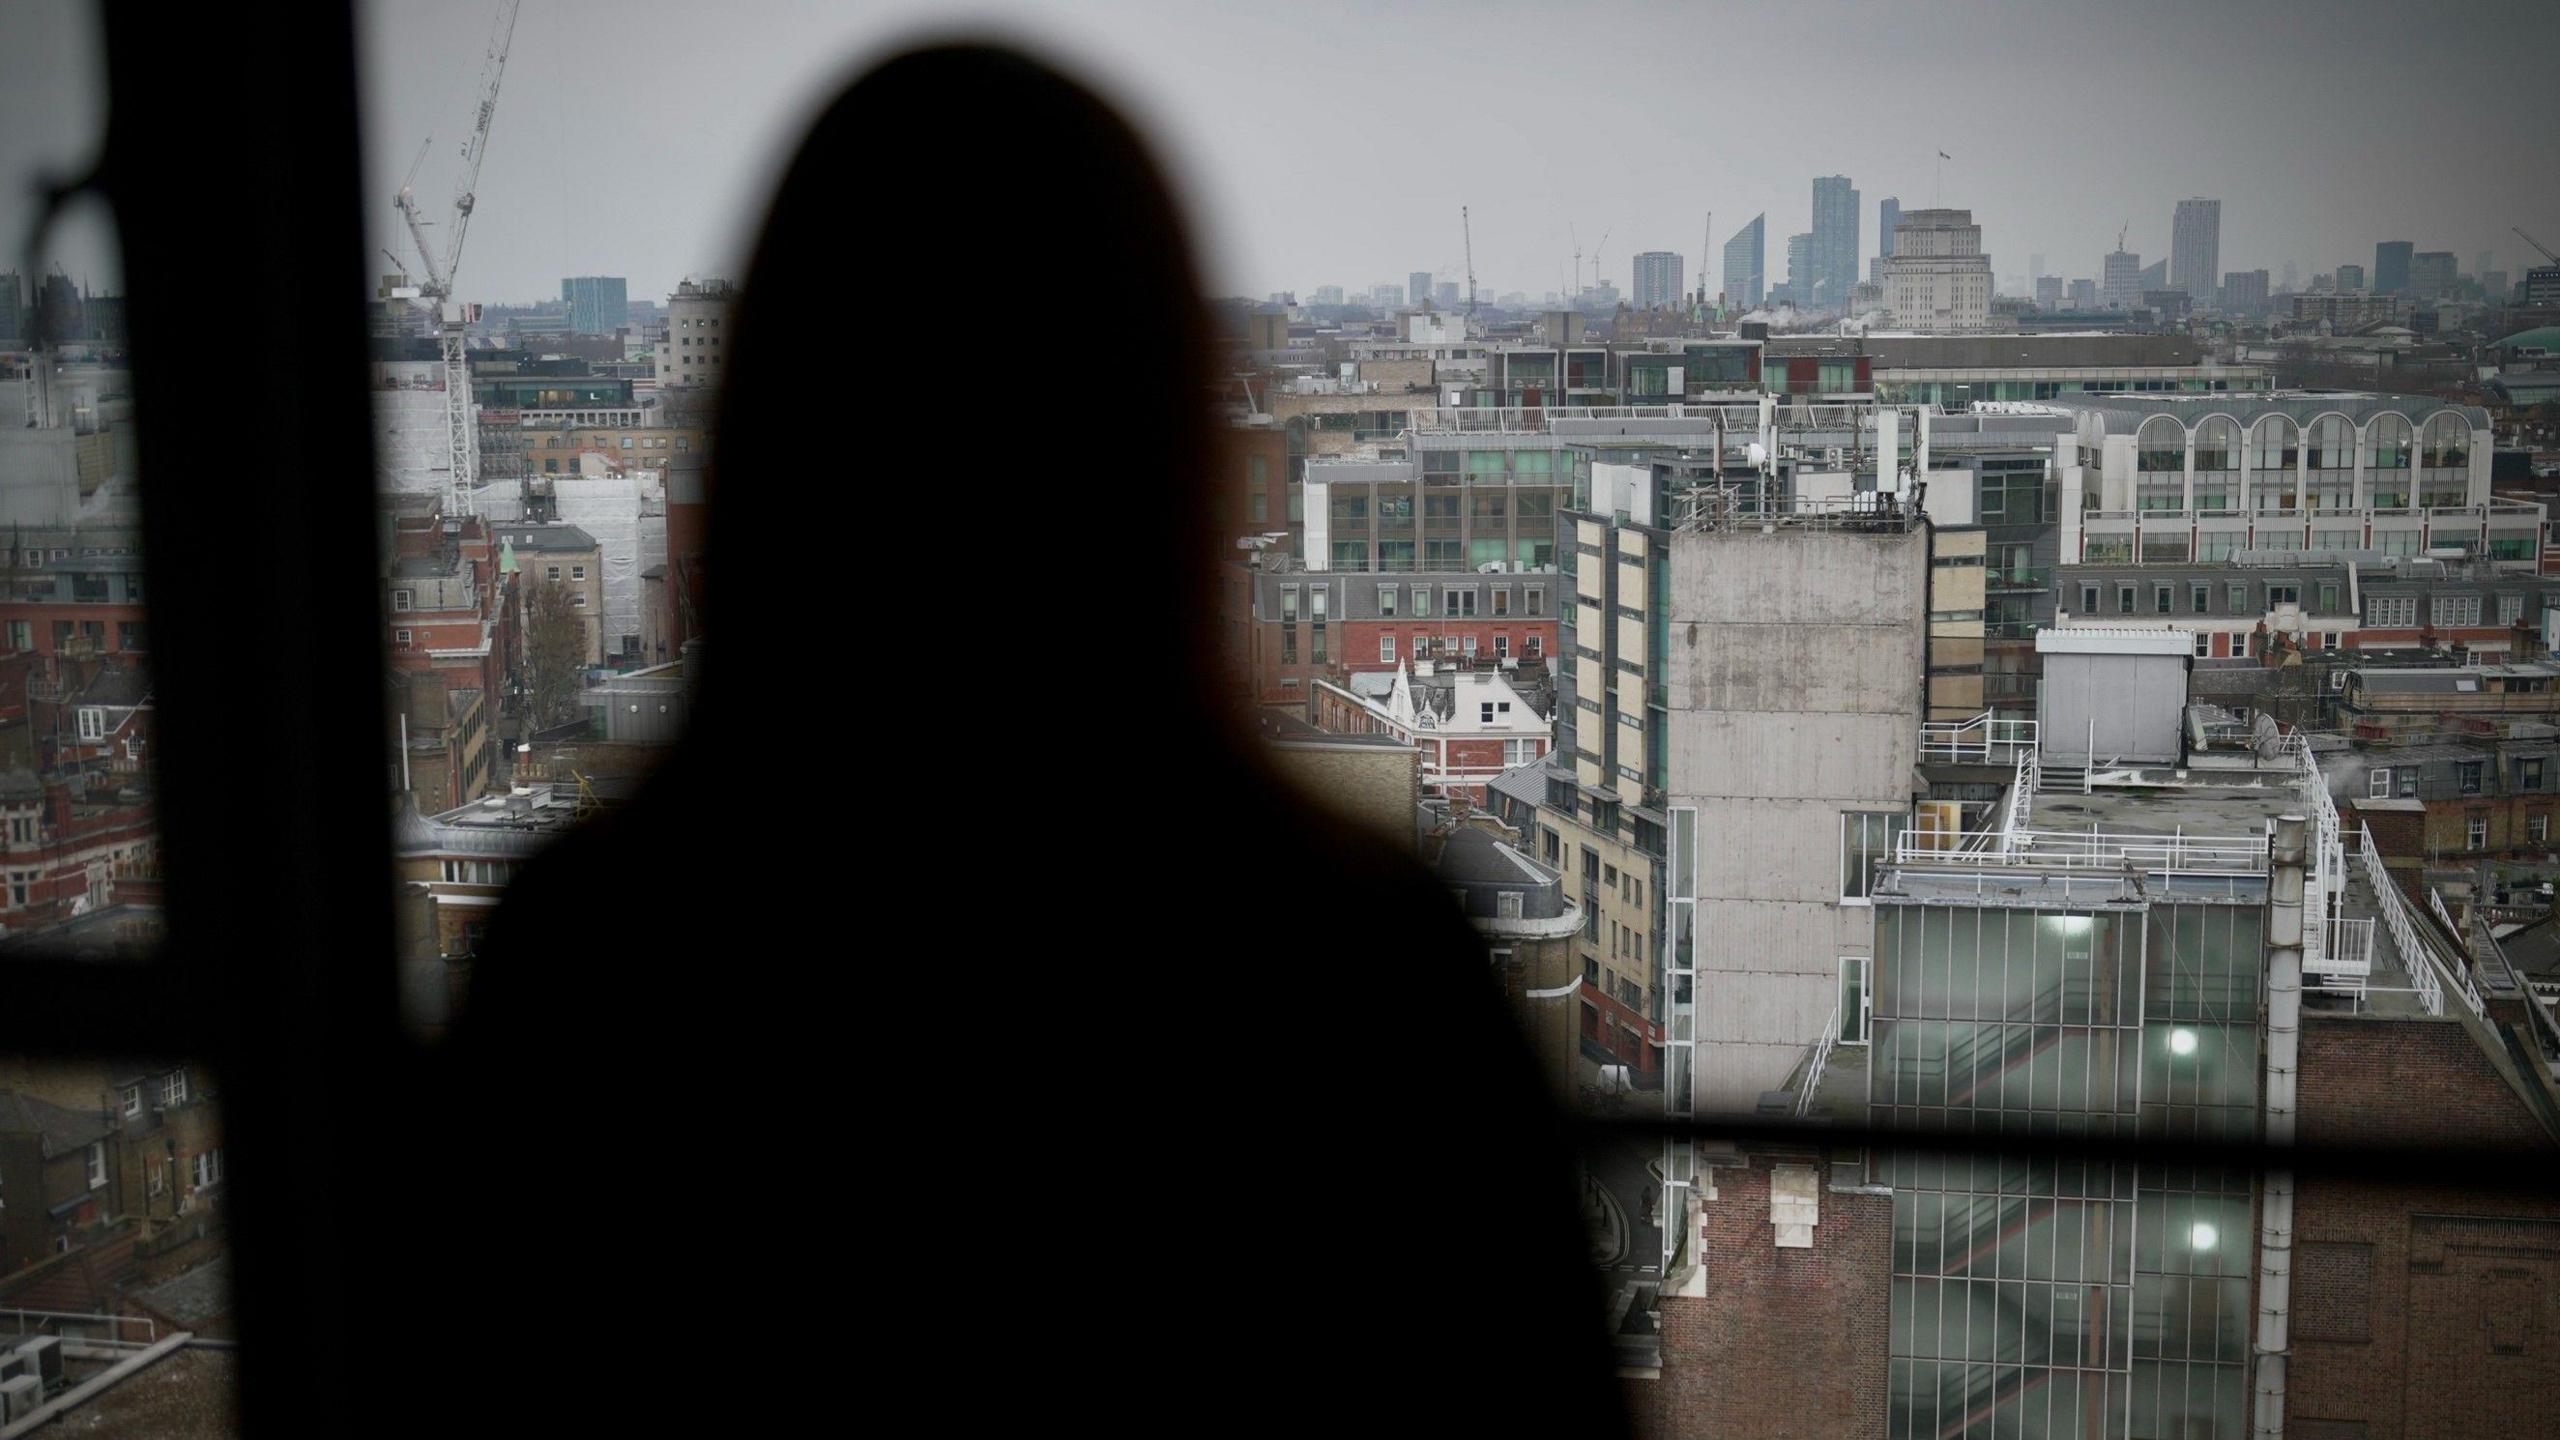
2047 1298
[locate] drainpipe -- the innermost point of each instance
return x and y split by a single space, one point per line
2284 1047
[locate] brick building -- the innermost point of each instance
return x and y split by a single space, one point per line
2421 1309
1468 730
1789 1336
1307 626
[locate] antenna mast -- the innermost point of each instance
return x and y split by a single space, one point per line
1466 227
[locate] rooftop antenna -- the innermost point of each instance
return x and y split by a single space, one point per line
1938 195
1466 228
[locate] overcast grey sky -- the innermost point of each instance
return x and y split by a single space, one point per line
1332 143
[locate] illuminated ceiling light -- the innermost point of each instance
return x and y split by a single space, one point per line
2203 1236
2182 1042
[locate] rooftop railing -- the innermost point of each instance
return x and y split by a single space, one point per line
2017 847
1986 739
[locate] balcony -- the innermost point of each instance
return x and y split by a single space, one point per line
2018 577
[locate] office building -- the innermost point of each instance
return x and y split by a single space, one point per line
1834 242
2350 279
1938 280
1794 720
1888 216
2121 288
2155 276
2195 249
598 304
1417 287
2084 294
1801 275
2048 292
2244 292
2542 286
2168 480
2432 275
2391 267
1745 258
1444 293
1657 280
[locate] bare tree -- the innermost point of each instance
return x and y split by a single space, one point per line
555 653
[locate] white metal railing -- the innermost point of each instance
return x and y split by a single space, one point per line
2022 799
2176 851
1813 1069
2348 949
2417 956
1985 739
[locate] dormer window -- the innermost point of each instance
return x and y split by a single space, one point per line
132 1101
173 1089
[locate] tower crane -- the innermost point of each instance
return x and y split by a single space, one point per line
1576 233
2536 244
462 440
1595 259
1466 228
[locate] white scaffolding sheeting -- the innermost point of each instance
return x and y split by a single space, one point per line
610 508
409 440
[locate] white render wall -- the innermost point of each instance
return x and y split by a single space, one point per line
1795 696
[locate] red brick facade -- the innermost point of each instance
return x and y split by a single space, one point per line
1785 1343
2420 1310
1284 667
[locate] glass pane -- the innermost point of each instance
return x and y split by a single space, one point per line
79 852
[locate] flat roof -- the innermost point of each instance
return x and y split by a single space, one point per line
2198 809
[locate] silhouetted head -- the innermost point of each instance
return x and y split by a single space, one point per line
965 385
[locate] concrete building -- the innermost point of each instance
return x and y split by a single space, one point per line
1745 264
2348 311
1835 241
2170 480
2432 275
1657 281
1417 288
1888 219
1961 370
2048 292
1938 280
2391 267
598 304
2084 294
2195 249
2244 292
693 349
2350 279
2121 285
1795 665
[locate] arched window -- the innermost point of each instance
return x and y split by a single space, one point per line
2448 441
2162 447
2386 442
2272 444
2331 440
2217 444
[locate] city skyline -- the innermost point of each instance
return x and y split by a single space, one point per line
1267 200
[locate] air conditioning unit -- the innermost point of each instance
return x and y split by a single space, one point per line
20 1397
46 1353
